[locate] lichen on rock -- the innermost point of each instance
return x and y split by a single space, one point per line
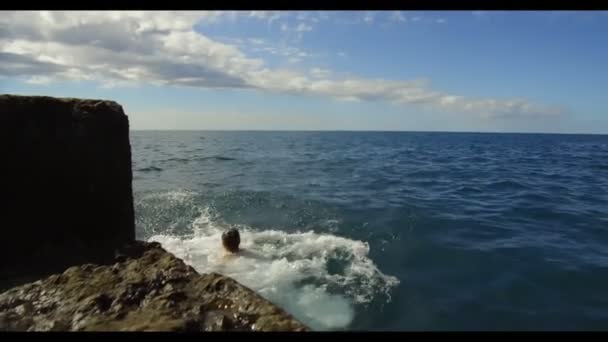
148 290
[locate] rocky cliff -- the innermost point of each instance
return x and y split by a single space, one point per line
68 221
66 183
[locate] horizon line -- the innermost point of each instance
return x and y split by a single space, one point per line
353 131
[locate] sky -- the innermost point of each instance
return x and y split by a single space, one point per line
519 71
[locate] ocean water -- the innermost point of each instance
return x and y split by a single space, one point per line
390 231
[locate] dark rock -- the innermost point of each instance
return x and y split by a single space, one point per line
216 321
66 184
125 297
103 302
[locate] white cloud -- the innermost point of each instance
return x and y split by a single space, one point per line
397 16
303 28
302 16
295 33
319 73
257 41
40 80
312 16
162 48
269 16
261 14
368 17
440 21
259 45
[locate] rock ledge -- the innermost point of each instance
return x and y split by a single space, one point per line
147 289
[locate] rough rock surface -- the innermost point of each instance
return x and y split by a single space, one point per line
66 184
147 289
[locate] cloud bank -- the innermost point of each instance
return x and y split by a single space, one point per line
163 48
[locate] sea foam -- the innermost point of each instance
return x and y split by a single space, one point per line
319 278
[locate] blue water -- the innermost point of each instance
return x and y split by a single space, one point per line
391 231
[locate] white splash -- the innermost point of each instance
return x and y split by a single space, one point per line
318 278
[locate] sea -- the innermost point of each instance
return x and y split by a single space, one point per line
390 231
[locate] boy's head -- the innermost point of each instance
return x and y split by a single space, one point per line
231 240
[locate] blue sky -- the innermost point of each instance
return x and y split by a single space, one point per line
351 70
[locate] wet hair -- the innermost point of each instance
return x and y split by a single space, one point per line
231 240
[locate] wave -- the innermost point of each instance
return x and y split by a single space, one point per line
179 160
465 190
506 185
318 277
220 158
149 169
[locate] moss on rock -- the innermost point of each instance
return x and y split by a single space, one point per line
148 289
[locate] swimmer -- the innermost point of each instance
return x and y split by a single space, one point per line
231 240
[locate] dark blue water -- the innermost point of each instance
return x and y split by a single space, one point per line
467 231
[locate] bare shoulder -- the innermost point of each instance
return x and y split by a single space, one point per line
229 256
